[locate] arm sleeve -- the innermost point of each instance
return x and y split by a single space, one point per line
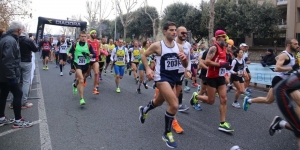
8 60
233 65
245 65
127 55
113 54
72 50
92 50
189 62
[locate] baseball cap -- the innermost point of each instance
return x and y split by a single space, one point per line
220 33
243 44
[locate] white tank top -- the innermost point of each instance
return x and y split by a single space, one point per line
186 48
63 48
167 64
284 75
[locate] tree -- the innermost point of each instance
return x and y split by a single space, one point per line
142 25
193 23
27 28
204 8
211 18
64 30
153 19
9 9
103 13
176 13
126 19
92 11
47 29
266 20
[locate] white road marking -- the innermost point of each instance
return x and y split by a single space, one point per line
44 129
14 130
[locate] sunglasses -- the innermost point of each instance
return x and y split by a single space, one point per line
183 33
222 36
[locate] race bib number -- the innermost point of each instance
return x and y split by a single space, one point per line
81 60
222 72
136 57
93 59
120 59
171 64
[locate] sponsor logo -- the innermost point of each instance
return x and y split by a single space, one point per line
67 23
50 21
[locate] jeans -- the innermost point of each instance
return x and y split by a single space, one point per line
17 93
26 76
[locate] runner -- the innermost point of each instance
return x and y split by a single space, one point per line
202 76
82 52
237 73
217 66
195 55
110 46
184 72
142 68
135 53
247 75
46 47
62 46
288 100
169 55
102 57
119 57
94 61
285 63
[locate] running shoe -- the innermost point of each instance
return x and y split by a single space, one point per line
275 126
22 124
246 104
82 102
118 90
143 115
74 89
183 108
225 127
178 129
236 105
168 138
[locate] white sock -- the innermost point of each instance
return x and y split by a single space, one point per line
249 101
282 124
18 120
2 118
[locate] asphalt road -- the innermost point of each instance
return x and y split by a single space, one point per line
109 121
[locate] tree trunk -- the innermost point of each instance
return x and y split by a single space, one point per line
125 31
211 19
154 32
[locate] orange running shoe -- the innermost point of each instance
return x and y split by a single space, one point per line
95 91
84 83
177 127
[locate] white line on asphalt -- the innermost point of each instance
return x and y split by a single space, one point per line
44 129
14 130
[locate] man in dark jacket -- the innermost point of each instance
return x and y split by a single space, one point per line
269 58
9 74
27 46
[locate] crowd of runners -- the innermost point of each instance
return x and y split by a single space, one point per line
172 62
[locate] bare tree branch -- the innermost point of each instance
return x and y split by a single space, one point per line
92 11
103 14
129 5
47 29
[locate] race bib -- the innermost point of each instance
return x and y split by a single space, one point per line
93 59
81 60
171 64
136 57
240 72
120 59
222 72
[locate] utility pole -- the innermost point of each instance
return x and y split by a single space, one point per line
115 21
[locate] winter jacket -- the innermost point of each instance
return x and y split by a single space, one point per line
268 60
9 57
26 47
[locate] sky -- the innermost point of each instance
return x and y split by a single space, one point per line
63 9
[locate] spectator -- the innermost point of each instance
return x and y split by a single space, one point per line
9 74
27 46
269 58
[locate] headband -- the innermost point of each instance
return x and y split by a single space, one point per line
93 31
